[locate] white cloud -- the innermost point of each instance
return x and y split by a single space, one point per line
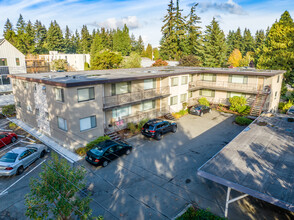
229 7
113 23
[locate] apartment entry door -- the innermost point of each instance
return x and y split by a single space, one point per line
260 83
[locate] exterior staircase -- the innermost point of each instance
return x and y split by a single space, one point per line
113 135
169 116
258 103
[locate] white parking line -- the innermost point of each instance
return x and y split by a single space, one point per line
9 146
5 190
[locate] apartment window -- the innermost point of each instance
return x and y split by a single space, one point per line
184 80
47 115
238 79
86 94
62 123
174 81
190 94
232 94
3 62
121 112
174 100
207 93
147 105
149 84
35 87
59 94
276 94
37 111
208 77
4 80
44 89
278 80
120 88
190 78
17 61
87 123
18 104
25 85
183 98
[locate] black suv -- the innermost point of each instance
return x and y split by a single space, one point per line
106 151
156 128
200 110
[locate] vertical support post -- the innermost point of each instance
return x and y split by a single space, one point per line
227 202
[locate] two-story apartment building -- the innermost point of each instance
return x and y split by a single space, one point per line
12 61
77 107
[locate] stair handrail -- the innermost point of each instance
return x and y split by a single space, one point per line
258 93
263 103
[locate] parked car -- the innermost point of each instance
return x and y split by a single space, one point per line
200 110
106 151
17 159
7 138
156 128
291 110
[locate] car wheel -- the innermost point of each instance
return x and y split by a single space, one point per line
128 151
174 130
42 154
158 136
19 170
201 114
105 163
13 139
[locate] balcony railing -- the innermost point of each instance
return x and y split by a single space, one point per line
238 87
117 100
121 123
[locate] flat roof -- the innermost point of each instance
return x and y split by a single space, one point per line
80 78
258 162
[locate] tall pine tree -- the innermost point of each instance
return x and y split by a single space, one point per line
248 42
85 40
54 38
9 33
214 45
40 38
21 32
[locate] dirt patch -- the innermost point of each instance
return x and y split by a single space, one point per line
261 123
19 131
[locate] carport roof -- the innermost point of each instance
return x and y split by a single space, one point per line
258 162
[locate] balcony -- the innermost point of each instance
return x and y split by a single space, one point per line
121 123
225 86
135 97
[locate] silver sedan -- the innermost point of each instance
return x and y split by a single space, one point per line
16 160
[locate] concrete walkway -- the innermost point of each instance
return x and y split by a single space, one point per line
67 154
6 100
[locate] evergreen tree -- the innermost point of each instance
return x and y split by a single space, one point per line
85 40
9 33
248 42
55 41
40 38
168 42
133 43
21 38
68 43
106 38
140 46
96 47
230 42
277 52
30 38
180 31
155 53
259 39
194 38
122 41
148 52
214 45
238 41
77 42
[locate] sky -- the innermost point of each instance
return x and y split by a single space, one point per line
144 17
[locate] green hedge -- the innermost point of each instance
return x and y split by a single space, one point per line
83 150
241 120
203 101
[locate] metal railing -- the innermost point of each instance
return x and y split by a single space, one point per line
240 87
122 122
117 100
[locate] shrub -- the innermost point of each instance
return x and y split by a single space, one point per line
106 60
133 61
237 103
86 66
160 62
141 123
281 105
183 112
190 60
184 104
59 65
241 120
193 213
244 110
287 105
8 110
12 125
83 150
203 101
132 127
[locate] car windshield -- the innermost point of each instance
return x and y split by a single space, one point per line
148 126
9 158
198 107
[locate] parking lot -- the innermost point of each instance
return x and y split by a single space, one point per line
157 180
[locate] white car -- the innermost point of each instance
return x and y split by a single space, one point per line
291 110
16 160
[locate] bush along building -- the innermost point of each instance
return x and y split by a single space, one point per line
12 61
77 107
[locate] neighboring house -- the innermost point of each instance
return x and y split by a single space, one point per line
12 61
76 62
75 108
146 62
